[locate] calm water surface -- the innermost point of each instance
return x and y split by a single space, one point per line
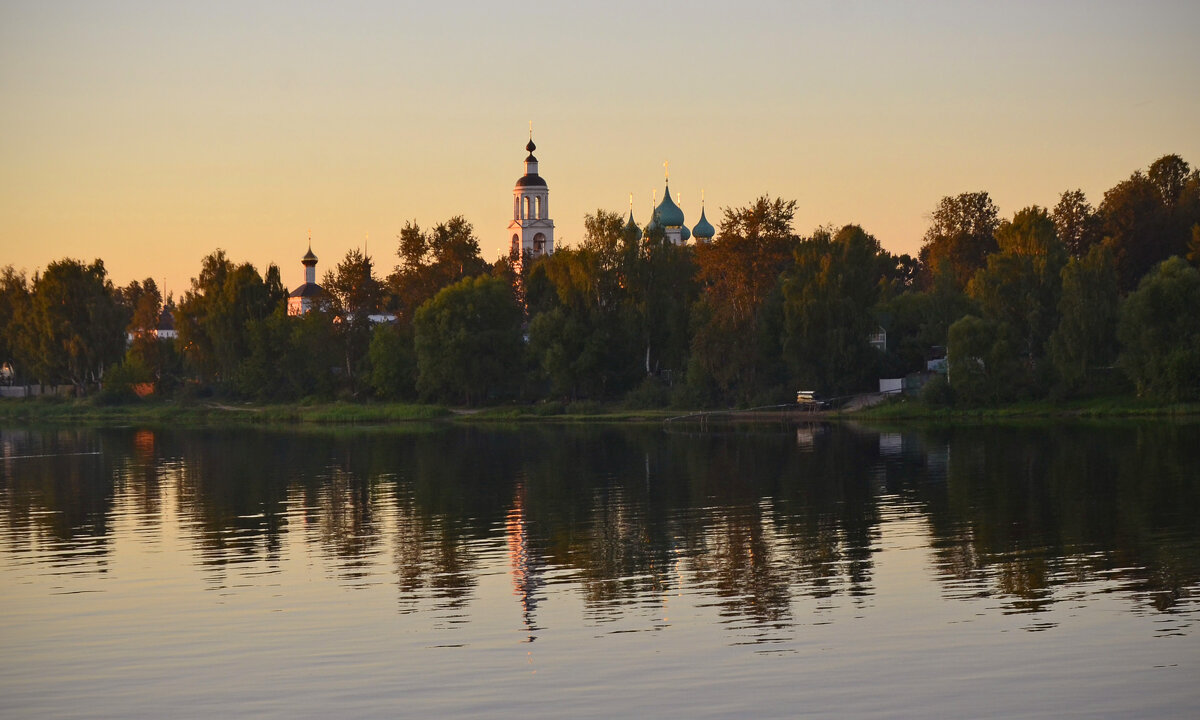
601 572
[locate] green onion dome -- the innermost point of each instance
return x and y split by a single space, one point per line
684 233
632 226
669 214
704 229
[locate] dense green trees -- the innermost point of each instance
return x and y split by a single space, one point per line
960 237
1023 306
829 297
584 334
1159 331
430 260
736 341
72 327
468 340
1085 338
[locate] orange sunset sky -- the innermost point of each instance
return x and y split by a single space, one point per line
149 133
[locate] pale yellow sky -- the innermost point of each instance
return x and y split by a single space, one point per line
149 134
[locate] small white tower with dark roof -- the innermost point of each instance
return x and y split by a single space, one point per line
531 228
305 297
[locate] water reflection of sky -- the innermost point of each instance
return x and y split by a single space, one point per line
625 554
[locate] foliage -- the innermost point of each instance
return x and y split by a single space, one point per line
1086 334
468 340
983 366
354 294
431 260
1076 223
1019 288
828 298
1159 330
1149 217
216 313
960 237
393 361
733 354
71 329
14 304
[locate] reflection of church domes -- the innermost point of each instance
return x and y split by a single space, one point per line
669 214
704 229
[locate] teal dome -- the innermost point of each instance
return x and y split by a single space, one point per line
632 226
669 214
704 229
684 234
653 225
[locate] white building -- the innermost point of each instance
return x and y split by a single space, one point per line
305 297
531 228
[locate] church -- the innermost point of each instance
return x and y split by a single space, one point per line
532 230
305 297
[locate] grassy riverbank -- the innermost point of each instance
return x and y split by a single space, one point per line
1119 406
86 411
210 412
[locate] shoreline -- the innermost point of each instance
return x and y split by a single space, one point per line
87 412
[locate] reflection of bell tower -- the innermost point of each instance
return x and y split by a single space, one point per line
531 228
526 565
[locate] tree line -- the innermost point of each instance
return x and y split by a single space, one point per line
1050 302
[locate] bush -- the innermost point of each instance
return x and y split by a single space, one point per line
937 392
1159 330
652 393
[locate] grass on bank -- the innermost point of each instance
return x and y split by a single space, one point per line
211 411
1111 406
87 410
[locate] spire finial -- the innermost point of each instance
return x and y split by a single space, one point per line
530 129
667 169
630 203
701 198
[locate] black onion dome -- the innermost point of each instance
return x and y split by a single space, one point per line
529 146
531 181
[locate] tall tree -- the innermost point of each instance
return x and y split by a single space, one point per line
214 316
468 340
14 304
1019 288
1086 334
960 236
1159 330
1150 216
431 260
828 300
73 329
738 273
354 294
1076 222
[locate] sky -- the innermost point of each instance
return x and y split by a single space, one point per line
149 134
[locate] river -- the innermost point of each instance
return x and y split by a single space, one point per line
448 571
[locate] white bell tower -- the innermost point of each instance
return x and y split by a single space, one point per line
531 230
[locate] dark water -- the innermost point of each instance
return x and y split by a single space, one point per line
540 571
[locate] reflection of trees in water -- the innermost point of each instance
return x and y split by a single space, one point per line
1026 511
56 494
755 519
